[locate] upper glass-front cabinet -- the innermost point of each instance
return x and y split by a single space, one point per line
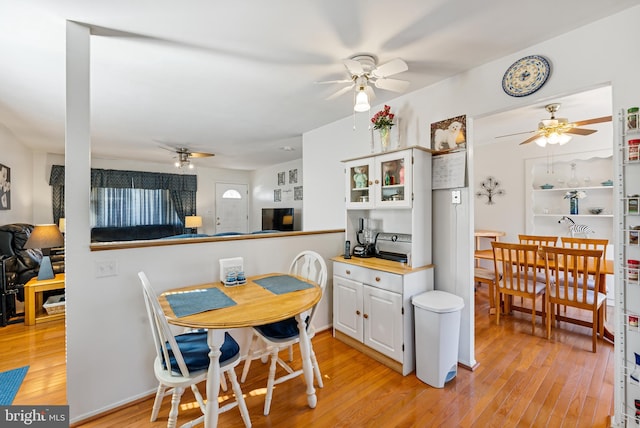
380 181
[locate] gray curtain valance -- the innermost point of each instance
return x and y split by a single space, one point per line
121 179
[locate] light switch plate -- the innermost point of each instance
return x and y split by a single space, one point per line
456 197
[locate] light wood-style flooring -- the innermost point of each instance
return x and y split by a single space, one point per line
521 381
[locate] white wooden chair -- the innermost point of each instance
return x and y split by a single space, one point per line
188 356
284 334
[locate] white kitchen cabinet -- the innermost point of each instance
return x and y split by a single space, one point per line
388 182
402 205
372 308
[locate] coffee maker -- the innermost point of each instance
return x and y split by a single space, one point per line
366 237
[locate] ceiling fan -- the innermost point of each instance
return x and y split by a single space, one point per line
556 130
363 70
185 155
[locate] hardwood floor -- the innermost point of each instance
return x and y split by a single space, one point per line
521 380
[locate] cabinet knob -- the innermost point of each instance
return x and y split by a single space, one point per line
377 279
366 316
370 182
377 181
357 312
348 272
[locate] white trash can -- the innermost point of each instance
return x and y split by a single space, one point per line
437 331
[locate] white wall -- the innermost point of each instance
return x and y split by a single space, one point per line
18 158
106 322
264 182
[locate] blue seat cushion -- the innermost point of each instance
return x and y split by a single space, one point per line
195 350
284 329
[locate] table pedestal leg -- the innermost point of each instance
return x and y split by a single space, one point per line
215 338
307 367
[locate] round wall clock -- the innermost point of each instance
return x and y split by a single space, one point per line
526 75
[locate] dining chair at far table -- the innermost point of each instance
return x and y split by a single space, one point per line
540 241
517 265
569 272
284 334
182 361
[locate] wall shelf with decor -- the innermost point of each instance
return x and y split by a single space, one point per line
549 180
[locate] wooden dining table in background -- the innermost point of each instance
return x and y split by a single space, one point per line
606 268
255 305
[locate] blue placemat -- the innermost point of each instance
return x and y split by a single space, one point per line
10 382
199 300
282 284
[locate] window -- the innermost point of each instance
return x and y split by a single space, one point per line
131 207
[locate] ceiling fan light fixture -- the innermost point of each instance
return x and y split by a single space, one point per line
362 101
542 141
564 139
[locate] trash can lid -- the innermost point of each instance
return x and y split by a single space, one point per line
438 301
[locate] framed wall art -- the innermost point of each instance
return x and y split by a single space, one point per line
449 134
5 187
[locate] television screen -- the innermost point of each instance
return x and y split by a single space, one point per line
277 219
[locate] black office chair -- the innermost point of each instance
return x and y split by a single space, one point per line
8 296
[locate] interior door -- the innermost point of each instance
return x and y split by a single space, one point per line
232 207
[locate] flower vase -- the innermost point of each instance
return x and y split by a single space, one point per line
385 137
573 206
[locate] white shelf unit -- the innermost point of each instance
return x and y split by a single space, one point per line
545 207
627 330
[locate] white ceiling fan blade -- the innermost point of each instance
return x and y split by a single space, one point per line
333 81
340 92
389 68
394 85
354 67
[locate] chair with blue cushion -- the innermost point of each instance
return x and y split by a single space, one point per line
188 360
270 339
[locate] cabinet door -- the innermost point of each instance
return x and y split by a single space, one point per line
394 174
347 307
359 184
383 322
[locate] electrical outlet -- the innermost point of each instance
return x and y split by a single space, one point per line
456 197
106 268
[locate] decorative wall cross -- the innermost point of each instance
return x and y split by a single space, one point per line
489 189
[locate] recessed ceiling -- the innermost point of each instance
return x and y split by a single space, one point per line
237 78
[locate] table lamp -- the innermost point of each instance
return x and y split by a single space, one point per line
45 237
193 222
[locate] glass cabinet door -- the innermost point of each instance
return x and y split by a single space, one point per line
360 181
394 175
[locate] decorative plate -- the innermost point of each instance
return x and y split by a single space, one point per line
526 75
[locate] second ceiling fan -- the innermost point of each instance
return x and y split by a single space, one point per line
557 130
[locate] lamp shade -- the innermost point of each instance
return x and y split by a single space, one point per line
45 236
362 101
192 221
62 224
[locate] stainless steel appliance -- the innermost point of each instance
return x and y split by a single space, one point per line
393 246
366 239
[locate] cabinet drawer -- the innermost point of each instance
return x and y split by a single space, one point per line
384 280
354 273
375 278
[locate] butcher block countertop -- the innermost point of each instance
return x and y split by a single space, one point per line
381 264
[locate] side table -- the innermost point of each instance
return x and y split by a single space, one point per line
33 310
